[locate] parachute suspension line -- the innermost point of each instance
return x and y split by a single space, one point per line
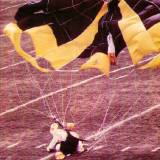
100 137
40 112
136 84
74 106
111 98
54 103
69 101
18 91
66 109
35 83
103 121
62 100
56 120
16 88
112 120
137 99
99 100
106 111
45 102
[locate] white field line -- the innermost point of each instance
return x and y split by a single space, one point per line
130 66
13 145
119 77
125 149
12 65
21 62
156 149
47 157
15 64
97 148
10 51
2 35
40 146
4 9
122 122
67 71
59 91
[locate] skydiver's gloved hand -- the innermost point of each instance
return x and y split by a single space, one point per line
111 50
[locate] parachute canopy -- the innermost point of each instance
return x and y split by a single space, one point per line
65 30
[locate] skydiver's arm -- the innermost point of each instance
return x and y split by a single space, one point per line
29 9
52 144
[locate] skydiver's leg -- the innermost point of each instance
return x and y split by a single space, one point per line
34 20
30 9
58 146
58 153
80 147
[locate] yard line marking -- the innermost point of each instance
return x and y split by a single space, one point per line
97 148
12 65
13 145
40 146
12 7
2 35
121 123
10 51
56 92
47 157
69 71
156 149
125 149
130 66
21 62
15 64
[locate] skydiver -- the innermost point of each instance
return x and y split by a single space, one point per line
64 142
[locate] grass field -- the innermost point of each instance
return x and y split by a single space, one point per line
120 115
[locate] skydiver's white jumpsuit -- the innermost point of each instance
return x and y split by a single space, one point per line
60 135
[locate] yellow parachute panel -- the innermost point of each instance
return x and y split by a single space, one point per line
138 39
98 61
